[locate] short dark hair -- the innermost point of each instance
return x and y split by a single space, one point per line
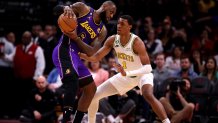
128 18
161 53
185 56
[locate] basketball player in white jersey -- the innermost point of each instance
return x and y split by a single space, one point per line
134 67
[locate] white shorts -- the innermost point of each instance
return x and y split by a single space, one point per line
123 84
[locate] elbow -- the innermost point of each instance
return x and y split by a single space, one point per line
92 52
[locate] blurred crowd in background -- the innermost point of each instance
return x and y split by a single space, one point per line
181 37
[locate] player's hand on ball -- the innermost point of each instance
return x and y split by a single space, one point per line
120 69
68 12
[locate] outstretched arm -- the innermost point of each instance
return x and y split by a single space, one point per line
103 51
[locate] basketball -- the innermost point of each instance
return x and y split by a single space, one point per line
67 24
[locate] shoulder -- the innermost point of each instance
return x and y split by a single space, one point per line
110 40
138 42
39 48
138 46
158 41
80 8
79 5
112 37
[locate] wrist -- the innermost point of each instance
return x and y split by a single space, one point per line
76 38
124 73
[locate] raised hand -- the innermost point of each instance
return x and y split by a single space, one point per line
68 12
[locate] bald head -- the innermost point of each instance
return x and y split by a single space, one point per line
41 79
109 2
41 82
109 5
26 37
107 11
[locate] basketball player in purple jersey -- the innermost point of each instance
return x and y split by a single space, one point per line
87 38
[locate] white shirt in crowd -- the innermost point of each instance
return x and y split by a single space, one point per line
8 48
40 60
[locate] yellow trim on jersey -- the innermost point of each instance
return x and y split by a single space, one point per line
101 29
94 19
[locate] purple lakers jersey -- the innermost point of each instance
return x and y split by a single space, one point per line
87 29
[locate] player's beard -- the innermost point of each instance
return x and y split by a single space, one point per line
185 69
103 17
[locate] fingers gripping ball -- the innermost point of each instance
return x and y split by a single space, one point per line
67 24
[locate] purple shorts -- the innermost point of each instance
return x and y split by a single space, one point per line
68 62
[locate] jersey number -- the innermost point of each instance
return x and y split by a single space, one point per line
124 65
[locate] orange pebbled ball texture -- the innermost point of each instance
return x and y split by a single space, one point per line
67 24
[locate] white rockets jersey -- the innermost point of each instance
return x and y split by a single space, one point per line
125 54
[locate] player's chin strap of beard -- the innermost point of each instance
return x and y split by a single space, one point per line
145 69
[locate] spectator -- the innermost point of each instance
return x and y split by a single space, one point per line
41 104
197 61
6 79
48 45
152 44
99 74
173 61
179 39
36 30
166 34
54 80
10 37
118 108
145 27
111 61
161 73
29 64
186 71
28 58
176 102
203 43
210 70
